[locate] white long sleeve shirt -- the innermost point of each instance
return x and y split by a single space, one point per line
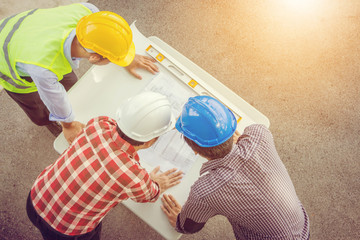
51 91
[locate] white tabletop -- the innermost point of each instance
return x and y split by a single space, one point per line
101 90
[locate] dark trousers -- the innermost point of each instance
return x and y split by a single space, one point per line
48 233
33 106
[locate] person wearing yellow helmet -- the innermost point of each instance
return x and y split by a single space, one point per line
41 47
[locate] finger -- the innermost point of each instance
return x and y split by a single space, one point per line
170 205
149 62
166 203
174 183
135 74
176 180
176 203
178 173
175 177
165 211
165 198
149 58
155 170
148 68
165 207
152 65
170 171
155 68
152 68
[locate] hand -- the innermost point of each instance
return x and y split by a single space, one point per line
143 62
71 130
167 179
171 208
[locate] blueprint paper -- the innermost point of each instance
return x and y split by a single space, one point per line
177 92
170 150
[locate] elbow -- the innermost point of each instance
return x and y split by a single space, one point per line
189 227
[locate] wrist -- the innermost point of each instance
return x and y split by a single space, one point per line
159 188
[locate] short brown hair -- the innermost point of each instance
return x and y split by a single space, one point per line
126 138
218 151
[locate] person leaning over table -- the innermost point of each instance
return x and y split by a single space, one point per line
243 179
41 47
101 168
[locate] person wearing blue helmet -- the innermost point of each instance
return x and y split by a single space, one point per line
243 179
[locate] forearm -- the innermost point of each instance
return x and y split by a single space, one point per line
52 93
59 106
194 214
155 193
146 190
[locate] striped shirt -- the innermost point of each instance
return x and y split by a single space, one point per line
251 187
92 176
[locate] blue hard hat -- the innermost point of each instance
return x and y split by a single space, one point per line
206 121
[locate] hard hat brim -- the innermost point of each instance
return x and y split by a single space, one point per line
127 59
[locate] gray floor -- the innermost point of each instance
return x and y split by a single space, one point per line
300 67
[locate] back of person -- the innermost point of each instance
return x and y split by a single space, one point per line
100 169
90 178
243 178
251 187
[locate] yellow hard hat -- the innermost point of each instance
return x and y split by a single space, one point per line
107 34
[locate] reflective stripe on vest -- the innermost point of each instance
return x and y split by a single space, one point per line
5 49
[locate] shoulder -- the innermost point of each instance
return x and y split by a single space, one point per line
254 134
102 121
257 130
255 137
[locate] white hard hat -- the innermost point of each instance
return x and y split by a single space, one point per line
145 116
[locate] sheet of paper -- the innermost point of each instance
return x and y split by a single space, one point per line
170 150
177 92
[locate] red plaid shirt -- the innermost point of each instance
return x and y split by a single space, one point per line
93 175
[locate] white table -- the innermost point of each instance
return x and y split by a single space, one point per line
102 88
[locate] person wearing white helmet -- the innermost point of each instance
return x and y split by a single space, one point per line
243 179
41 47
101 168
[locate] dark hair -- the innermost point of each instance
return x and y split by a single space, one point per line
218 151
126 138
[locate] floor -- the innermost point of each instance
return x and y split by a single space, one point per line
295 61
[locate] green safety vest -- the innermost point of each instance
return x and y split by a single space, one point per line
36 37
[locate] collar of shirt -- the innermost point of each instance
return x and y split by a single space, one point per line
216 163
74 62
124 146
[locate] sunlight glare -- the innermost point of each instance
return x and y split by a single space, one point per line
301 5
